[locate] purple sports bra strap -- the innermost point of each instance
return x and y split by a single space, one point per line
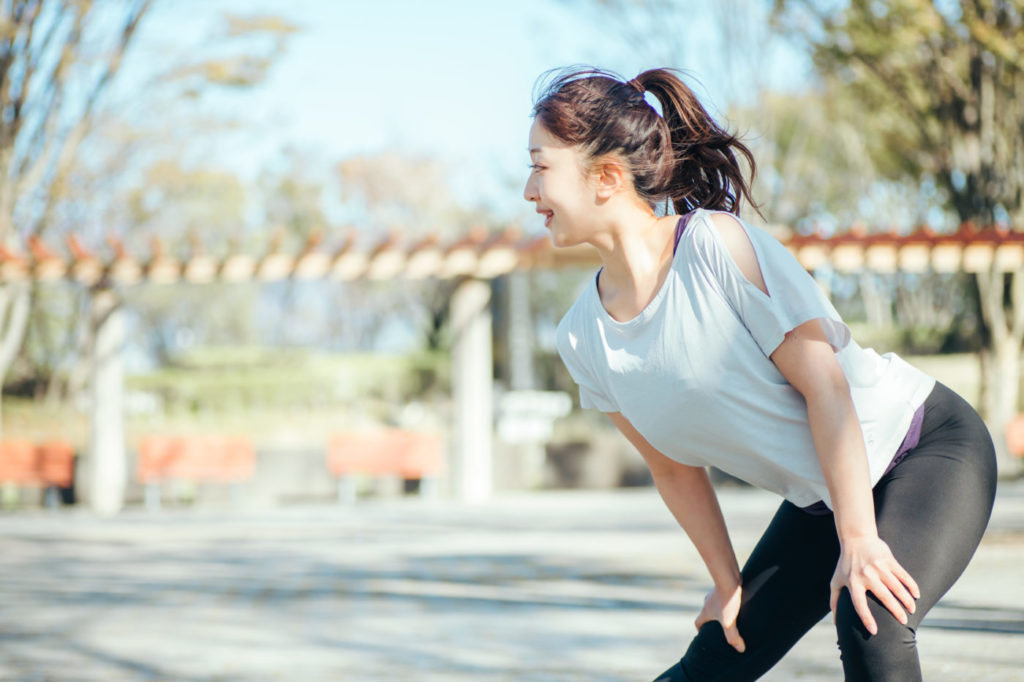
680 226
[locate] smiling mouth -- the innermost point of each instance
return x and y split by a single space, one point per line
547 217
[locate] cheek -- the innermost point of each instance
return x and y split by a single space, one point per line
559 191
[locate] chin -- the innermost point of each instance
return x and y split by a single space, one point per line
560 240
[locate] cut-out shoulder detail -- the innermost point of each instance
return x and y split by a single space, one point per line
738 244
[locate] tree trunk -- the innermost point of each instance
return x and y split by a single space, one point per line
520 332
1001 374
1001 362
877 301
14 309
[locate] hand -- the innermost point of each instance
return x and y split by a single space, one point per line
723 607
868 564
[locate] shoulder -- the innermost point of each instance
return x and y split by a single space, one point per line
734 237
572 327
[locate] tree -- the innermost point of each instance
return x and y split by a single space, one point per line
80 151
944 84
56 61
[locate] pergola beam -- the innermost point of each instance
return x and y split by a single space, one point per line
481 255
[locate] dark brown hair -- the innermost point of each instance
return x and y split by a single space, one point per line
681 155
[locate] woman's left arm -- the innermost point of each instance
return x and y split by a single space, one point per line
808 362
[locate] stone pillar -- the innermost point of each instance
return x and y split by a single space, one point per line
526 457
472 388
106 438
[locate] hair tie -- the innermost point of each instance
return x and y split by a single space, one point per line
637 85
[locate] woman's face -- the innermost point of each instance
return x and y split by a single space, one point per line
563 194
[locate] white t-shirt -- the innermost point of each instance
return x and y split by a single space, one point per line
692 371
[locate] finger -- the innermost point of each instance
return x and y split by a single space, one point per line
907 580
832 601
700 620
896 586
889 601
732 635
860 606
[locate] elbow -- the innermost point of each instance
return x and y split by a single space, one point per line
663 467
829 384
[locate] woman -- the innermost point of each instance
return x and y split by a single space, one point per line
706 344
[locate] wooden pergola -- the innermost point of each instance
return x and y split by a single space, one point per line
472 261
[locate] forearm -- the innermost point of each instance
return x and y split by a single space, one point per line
840 445
688 494
691 499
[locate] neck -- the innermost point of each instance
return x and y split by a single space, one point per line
634 249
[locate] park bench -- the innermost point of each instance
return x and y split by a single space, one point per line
1015 436
410 455
50 465
197 458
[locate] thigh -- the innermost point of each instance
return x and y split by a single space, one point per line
932 510
785 592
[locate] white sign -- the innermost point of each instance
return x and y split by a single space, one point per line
528 416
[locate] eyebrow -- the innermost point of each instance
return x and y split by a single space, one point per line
534 150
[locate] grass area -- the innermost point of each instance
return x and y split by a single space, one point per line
229 380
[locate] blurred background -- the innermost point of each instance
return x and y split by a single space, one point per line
272 258
149 148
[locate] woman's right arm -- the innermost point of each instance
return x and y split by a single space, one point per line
688 494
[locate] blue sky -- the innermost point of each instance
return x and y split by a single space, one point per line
451 79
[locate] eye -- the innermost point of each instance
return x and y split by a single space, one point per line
535 167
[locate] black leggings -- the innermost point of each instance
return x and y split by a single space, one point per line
931 509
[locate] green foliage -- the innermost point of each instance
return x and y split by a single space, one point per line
943 85
814 168
229 379
910 313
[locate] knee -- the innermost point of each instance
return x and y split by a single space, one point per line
890 654
708 655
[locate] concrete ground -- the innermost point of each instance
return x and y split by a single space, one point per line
595 586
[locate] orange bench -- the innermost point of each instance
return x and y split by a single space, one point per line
410 455
221 459
50 465
1015 436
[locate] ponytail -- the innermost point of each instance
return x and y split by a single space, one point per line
682 156
702 155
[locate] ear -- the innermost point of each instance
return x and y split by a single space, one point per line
609 177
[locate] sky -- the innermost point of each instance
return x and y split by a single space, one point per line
451 79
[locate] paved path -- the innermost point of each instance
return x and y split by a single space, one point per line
554 586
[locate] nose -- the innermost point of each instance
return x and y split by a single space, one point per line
530 190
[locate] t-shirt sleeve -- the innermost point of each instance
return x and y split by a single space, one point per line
574 354
793 296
